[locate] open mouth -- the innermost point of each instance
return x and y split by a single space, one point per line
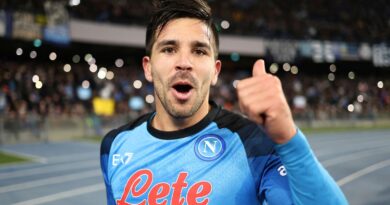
182 90
182 87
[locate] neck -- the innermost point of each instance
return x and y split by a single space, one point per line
165 122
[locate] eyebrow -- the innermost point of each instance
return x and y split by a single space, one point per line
166 43
195 44
199 44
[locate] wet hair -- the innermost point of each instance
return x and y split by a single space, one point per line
167 10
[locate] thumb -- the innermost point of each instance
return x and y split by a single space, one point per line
258 68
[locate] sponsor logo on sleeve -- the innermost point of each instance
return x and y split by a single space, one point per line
282 171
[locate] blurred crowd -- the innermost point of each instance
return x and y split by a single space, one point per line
347 20
32 91
340 20
71 92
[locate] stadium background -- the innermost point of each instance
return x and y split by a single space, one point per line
72 69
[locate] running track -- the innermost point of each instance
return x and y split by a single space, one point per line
69 173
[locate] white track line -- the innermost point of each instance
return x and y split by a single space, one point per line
49 168
363 172
74 157
353 156
324 151
63 195
49 181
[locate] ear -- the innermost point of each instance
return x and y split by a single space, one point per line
218 65
146 64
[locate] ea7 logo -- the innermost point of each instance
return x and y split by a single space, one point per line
118 159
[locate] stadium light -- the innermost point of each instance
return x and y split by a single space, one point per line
137 84
74 2
67 68
286 67
360 98
53 56
149 99
235 56
351 107
19 51
33 54
87 57
225 24
102 73
35 78
274 68
38 85
76 58
331 77
119 63
93 68
380 84
294 70
110 75
332 68
351 75
85 84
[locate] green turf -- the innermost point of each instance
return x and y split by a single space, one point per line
91 138
9 158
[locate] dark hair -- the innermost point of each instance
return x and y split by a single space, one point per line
167 10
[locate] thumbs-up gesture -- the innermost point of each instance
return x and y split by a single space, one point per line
262 99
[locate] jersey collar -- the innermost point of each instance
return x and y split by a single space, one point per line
169 135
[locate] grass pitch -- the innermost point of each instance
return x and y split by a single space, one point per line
6 158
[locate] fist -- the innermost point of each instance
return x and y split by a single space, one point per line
262 99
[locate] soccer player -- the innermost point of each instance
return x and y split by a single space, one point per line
192 151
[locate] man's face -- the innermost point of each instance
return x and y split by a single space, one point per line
182 66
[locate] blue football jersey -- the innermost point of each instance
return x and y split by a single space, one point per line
223 159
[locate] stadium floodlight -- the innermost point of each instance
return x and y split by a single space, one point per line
74 2
380 84
225 24
331 77
76 58
274 68
294 70
137 84
35 78
85 84
286 67
351 75
93 68
33 54
19 51
149 99
119 63
110 75
52 56
67 68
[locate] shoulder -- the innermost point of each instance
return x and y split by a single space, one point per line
233 121
254 138
110 136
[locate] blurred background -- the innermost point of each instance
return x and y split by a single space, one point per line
70 70
73 68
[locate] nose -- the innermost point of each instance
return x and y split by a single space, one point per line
183 62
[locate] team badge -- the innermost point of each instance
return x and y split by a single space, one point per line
209 147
